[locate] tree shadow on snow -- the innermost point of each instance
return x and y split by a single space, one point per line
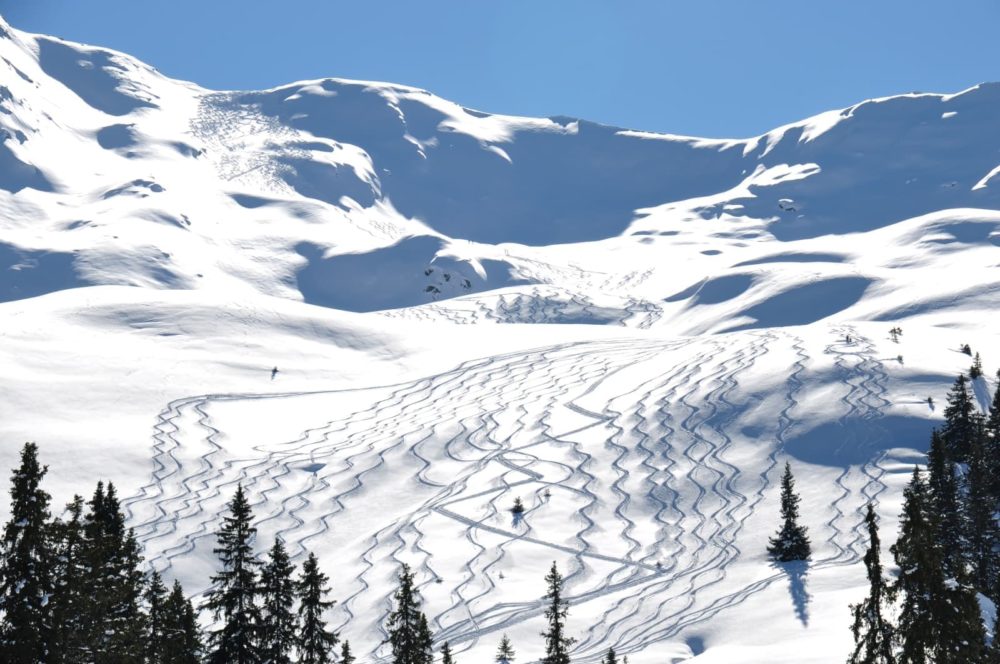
797 572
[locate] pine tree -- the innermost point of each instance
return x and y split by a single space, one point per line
346 656
505 652
918 557
316 643
939 619
115 623
959 428
873 633
992 441
943 508
407 626
156 598
557 644
279 626
791 542
976 370
979 509
181 635
70 594
26 566
446 657
610 657
233 597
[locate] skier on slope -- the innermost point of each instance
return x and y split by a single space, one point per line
274 372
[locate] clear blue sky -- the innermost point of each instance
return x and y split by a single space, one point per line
727 68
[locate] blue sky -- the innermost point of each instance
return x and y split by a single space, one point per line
721 68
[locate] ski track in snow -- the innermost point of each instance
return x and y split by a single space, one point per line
667 431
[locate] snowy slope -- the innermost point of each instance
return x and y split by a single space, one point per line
630 331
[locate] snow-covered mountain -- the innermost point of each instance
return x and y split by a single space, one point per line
630 331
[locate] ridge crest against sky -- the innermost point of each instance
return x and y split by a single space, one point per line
725 68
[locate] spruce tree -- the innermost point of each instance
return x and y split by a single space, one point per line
505 652
610 657
181 634
920 577
557 644
939 619
115 621
943 508
873 633
316 642
346 656
233 598
409 635
26 566
992 442
979 517
279 626
959 428
156 598
446 657
70 594
791 542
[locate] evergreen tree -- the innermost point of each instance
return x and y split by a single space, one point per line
992 441
408 632
791 542
115 623
316 643
943 508
979 511
505 652
873 634
976 370
233 597
156 597
346 656
70 592
557 644
279 627
446 657
181 635
26 566
939 620
959 428
920 578
610 658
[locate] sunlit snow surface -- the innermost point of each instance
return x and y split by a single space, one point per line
631 332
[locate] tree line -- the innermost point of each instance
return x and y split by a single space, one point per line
73 591
947 551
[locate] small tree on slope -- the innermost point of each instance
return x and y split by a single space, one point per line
873 634
233 599
26 566
346 656
505 652
791 542
446 657
959 427
557 644
316 643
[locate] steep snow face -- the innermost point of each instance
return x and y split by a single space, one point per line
629 331
114 174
